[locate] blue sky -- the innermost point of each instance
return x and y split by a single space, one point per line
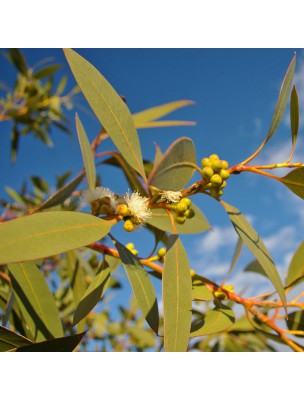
235 91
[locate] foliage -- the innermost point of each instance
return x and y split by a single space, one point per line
34 105
60 265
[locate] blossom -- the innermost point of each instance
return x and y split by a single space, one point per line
138 206
170 196
98 193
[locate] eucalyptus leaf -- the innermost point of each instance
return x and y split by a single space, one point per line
93 293
256 267
176 167
294 180
62 194
76 276
255 244
296 268
130 174
177 297
48 233
63 344
141 284
218 320
36 301
46 71
10 340
200 291
87 154
161 220
157 112
282 100
294 117
295 321
109 108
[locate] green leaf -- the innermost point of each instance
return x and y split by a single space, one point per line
161 220
130 174
15 139
177 296
256 267
63 344
61 86
294 117
176 167
87 154
141 284
218 320
61 194
77 280
17 58
295 321
157 112
200 291
46 71
40 183
294 180
10 340
282 100
255 244
93 293
158 154
109 108
163 124
14 195
36 301
236 255
49 233
296 267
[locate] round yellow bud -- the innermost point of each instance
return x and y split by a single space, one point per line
123 209
128 226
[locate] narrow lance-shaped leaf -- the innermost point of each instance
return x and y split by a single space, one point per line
10 340
282 100
294 119
93 293
157 112
255 266
76 276
255 244
296 267
294 180
109 108
218 320
49 233
130 174
161 220
176 167
63 344
163 124
36 301
177 296
61 194
141 284
87 154
46 71
236 255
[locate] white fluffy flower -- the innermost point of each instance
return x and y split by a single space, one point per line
138 206
170 196
98 193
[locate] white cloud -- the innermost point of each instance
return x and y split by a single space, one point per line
281 241
214 240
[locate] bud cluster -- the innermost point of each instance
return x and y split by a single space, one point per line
182 209
102 206
134 211
215 173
